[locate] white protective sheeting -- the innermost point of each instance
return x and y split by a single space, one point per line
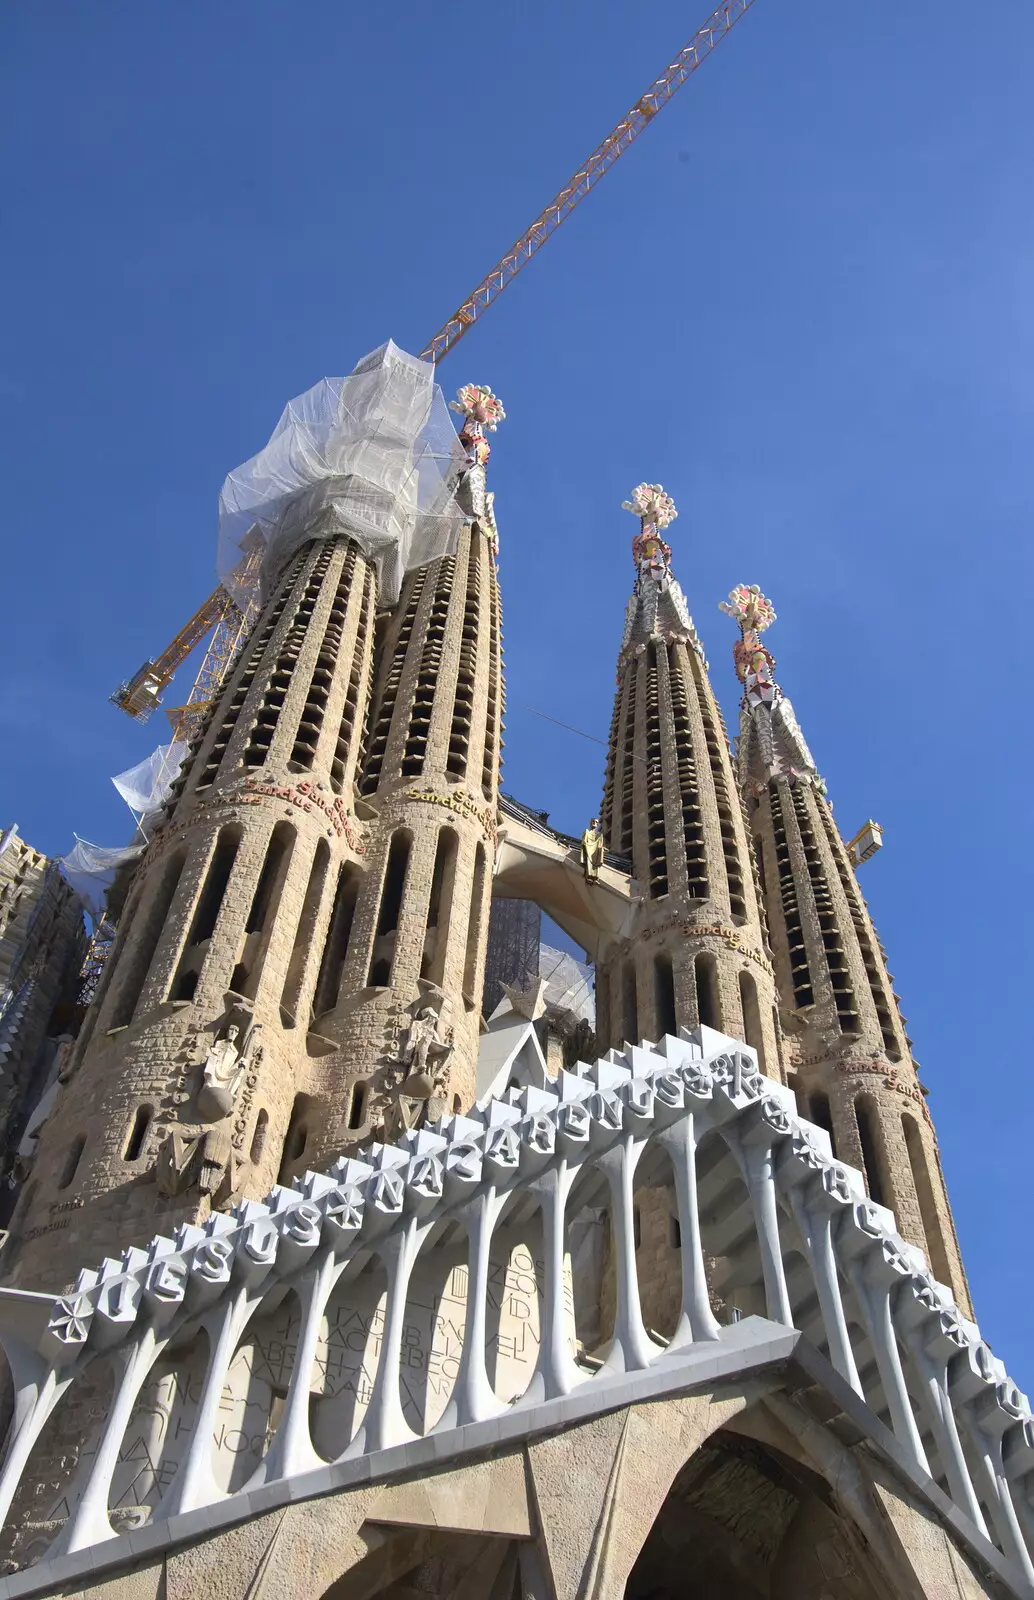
373 455
568 983
145 787
90 869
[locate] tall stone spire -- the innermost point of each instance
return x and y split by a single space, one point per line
697 952
847 1050
409 967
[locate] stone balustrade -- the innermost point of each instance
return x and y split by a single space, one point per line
481 1267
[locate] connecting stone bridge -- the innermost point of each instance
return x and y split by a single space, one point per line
426 1302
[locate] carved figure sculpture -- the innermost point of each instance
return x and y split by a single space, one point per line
425 1048
224 1071
592 851
206 1161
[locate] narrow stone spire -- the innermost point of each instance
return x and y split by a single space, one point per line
847 1049
410 968
696 952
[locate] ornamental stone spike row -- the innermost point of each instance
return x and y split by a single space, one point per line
787 1221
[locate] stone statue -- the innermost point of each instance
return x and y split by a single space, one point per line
206 1161
593 851
224 1070
424 1053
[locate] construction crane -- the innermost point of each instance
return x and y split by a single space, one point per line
141 693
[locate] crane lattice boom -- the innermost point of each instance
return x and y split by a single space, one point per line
588 175
142 693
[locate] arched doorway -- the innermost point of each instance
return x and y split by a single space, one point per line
746 1522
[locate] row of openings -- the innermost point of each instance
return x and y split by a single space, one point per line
708 1001
494 711
138 954
463 704
254 654
657 858
628 759
855 905
350 713
718 756
615 840
321 681
689 787
832 940
797 952
136 1139
267 714
384 707
875 1171
337 941
419 731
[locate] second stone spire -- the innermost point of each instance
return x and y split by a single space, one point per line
697 952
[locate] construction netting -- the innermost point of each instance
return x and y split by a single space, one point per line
569 983
91 868
145 787
373 455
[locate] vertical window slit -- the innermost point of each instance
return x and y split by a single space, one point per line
206 913
664 986
439 906
138 1131
752 1032
629 1004
868 1138
138 953
307 921
923 1180
820 1114
335 946
474 924
709 1011
392 887
262 913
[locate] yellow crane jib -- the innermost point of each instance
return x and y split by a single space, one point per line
141 694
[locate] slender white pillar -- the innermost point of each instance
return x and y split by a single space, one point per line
696 1320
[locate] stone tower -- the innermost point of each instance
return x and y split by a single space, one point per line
846 1042
409 934
305 934
697 951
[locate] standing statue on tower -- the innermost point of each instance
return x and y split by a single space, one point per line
593 851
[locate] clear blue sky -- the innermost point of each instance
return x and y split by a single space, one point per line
802 302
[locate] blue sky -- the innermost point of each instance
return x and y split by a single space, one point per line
801 302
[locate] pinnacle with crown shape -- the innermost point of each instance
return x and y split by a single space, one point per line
657 607
771 743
